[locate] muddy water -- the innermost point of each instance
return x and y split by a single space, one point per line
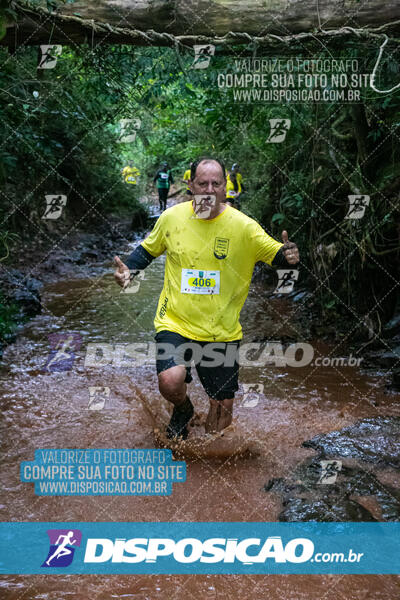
49 410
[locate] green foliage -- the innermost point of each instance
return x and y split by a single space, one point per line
61 130
7 239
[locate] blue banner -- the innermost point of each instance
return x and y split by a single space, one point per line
200 548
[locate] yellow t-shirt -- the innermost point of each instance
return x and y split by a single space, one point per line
186 177
230 188
130 174
214 260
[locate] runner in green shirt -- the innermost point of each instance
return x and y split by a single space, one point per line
163 179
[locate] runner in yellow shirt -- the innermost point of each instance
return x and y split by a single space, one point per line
130 173
185 180
234 186
211 250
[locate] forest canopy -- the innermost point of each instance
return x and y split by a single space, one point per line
61 134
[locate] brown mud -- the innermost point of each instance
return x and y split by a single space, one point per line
50 410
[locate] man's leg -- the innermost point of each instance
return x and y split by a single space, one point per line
172 386
219 415
164 198
172 380
220 382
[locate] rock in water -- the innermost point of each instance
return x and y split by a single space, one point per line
313 493
23 291
376 440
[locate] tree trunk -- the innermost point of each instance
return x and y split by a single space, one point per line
114 21
361 131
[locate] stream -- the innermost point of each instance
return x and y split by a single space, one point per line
50 410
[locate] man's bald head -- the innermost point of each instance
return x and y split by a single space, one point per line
206 159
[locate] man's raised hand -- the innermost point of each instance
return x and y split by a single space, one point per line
290 250
121 273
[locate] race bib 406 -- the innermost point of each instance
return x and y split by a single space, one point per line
200 282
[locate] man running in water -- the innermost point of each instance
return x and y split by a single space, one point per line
163 179
208 271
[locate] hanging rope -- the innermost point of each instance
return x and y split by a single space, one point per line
372 81
157 38
152 37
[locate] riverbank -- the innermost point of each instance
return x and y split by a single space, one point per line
73 253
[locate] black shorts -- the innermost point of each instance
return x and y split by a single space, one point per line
189 192
219 381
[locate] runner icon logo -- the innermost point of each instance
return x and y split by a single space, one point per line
62 353
98 397
357 206
203 205
50 53
251 394
129 128
134 282
287 279
279 129
329 471
54 206
202 56
63 543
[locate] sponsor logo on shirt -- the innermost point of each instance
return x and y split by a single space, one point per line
221 246
163 308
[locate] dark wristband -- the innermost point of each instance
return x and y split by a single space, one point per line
280 260
139 259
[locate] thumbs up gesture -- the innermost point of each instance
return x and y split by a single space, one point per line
290 250
122 273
